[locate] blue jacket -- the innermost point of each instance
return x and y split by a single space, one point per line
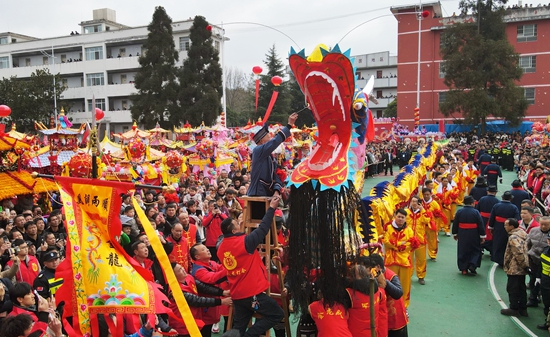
263 174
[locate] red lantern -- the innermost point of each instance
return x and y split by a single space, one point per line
425 14
99 114
209 28
80 165
257 70
5 111
548 127
173 160
276 80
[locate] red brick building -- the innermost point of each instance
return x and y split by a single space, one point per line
528 30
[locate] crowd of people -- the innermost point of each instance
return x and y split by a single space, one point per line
201 222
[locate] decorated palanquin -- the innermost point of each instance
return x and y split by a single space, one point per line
327 220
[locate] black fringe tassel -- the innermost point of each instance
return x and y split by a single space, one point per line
322 239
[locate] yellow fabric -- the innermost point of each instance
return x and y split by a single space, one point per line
183 307
398 246
420 261
405 276
432 243
418 222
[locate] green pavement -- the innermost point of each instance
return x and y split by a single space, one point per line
451 304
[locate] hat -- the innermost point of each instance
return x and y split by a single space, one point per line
507 196
49 256
260 134
469 200
481 181
126 224
492 188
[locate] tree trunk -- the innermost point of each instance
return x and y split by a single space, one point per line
483 125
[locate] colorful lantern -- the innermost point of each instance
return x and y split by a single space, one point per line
257 70
173 160
537 126
99 114
136 148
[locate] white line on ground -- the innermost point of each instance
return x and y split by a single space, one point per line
491 281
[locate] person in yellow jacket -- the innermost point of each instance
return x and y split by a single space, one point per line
419 221
400 242
446 196
437 219
470 173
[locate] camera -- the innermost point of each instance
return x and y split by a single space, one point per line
13 251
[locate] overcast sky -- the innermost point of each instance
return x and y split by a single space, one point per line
308 23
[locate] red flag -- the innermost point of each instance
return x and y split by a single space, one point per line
370 127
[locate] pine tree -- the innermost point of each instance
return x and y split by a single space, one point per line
481 67
155 81
281 109
200 79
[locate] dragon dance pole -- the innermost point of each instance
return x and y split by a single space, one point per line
94 141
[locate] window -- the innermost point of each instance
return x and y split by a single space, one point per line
123 79
3 40
124 104
122 52
528 63
527 33
99 103
379 74
217 45
45 60
92 29
65 84
442 97
441 69
94 53
378 93
95 79
378 113
185 43
529 94
63 58
4 62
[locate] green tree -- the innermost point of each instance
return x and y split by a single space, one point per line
156 99
481 67
31 99
281 109
391 109
200 79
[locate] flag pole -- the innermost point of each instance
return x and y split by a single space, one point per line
94 141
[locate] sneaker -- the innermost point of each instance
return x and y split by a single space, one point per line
433 259
447 234
215 328
421 281
509 312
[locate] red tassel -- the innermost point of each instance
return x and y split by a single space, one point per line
270 107
257 92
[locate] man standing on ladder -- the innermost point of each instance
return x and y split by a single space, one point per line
247 274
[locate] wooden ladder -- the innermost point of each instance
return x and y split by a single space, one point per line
253 212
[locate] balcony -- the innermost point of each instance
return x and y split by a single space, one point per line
117 90
382 103
379 83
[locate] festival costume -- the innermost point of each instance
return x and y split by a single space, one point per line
214 274
470 175
359 313
468 227
190 234
493 172
419 222
485 206
500 213
519 194
180 253
447 197
330 321
399 243
437 220
397 313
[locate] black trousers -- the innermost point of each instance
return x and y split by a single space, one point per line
398 333
270 310
388 166
517 292
535 273
545 292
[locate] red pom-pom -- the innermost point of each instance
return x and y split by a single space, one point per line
209 28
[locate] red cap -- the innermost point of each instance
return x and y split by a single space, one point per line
278 212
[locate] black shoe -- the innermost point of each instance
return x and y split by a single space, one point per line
542 326
473 271
524 313
509 312
532 304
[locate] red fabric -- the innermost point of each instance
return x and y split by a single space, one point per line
359 314
500 219
191 235
330 321
246 272
190 287
397 314
213 230
28 271
537 184
38 326
212 273
180 253
467 225
485 214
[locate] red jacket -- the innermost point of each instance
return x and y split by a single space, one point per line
28 271
213 230
180 253
359 313
38 325
330 321
212 273
397 314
